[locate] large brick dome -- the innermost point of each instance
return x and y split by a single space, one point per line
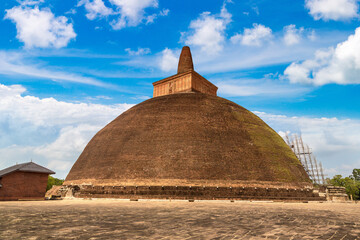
188 143
187 139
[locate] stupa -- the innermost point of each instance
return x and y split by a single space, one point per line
188 143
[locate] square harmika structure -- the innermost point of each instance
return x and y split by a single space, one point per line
186 80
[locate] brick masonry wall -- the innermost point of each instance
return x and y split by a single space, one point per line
204 193
174 85
200 84
185 82
23 185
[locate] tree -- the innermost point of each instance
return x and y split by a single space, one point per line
352 187
53 181
356 174
337 180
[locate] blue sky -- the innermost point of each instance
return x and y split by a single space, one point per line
67 68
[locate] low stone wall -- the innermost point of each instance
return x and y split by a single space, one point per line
187 192
336 194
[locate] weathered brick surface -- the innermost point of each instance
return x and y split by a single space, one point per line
185 61
201 84
195 192
114 219
189 81
188 136
23 185
175 84
187 139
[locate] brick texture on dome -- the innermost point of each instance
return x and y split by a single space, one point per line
187 143
189 139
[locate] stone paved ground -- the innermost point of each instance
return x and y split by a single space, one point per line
117 219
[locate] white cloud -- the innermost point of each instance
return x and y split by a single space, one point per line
13 90
100 97
151 18
49 131
164 12
208 31
95 9
123 13
71 140
72 11
31 2
40 28
238 57
335 142
138 52
15 64
132 13
253 36
168 60
339 65
258 87
312 35
256 10
332 9
292 35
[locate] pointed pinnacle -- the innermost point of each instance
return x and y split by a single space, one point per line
185 61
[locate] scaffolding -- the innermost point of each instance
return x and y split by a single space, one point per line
312 166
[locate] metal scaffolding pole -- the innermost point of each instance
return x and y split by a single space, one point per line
322 174
300 143
302 151
311 163
317 171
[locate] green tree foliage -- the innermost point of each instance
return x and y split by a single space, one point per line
53 181
351 183
356 174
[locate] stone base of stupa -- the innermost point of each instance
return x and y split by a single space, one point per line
271 192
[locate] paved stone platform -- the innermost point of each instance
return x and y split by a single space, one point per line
120 219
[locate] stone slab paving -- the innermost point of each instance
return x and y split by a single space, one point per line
119 219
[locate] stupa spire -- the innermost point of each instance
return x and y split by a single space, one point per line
186 79
185 61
